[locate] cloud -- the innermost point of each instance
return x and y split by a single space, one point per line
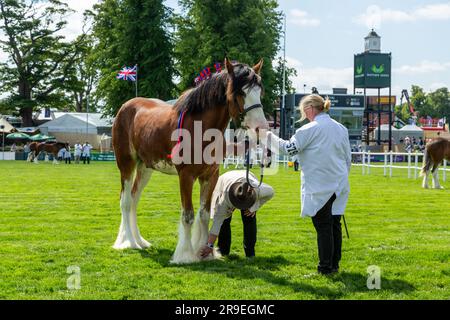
375 16
437 85
325 79
301 18
422 68
75 22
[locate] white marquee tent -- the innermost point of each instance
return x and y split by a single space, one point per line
79 127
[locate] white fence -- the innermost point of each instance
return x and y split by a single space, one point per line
364 159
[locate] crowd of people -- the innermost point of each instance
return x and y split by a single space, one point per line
81 152
413 144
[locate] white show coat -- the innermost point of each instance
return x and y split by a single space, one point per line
323 151
78 149
87 150
221 207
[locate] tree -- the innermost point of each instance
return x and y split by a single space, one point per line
38 57
289 73
130 32
435 104
439 101
245 31
83 75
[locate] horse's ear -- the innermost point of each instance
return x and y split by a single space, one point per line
257 67
229 66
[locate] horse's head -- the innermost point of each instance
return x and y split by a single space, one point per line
244 94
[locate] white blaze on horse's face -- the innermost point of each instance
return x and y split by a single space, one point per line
254 119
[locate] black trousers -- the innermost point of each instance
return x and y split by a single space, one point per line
88 159
67 160
329 238
296 165
249 224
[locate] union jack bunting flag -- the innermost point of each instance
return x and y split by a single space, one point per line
127 73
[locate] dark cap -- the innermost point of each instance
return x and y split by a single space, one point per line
242 195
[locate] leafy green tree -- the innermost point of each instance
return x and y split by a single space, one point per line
289 73
38 56
420 102
83 75
435 104
245 31
439 100
130 32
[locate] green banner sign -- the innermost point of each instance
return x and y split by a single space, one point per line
372 70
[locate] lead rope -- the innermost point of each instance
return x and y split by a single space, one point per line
247 161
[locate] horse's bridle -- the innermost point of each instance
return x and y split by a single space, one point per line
255 106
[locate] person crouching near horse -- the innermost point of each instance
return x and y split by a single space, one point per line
232 192
323 150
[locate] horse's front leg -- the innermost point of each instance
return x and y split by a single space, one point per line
184 252
207 185
36 156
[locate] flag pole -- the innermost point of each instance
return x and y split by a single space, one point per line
136 80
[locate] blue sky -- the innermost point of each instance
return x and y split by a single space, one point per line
323 36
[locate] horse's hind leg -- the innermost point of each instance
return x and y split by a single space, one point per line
143 175
435 175
425 179
133 183
184 252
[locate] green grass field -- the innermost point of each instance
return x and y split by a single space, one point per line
56 216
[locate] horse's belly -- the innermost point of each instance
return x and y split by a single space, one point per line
165 167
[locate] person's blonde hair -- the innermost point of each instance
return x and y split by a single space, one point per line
315 101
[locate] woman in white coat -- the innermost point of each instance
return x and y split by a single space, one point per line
323 150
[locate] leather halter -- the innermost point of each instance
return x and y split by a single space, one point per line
255 106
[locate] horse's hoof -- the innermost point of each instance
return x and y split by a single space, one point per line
144 243
184 258
126 245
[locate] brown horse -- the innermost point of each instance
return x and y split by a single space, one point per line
33 150
144 138
435 152
48 147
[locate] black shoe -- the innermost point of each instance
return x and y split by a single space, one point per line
328 271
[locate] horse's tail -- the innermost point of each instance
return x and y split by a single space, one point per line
426 162
122 142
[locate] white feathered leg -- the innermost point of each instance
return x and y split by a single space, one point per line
125 238
435 176
425 180
184 253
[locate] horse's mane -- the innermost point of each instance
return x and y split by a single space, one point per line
212 92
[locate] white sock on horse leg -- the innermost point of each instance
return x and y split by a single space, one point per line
142 182
200 229
184 253
425 180
125 238
436 183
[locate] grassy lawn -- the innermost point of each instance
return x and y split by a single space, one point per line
56 216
